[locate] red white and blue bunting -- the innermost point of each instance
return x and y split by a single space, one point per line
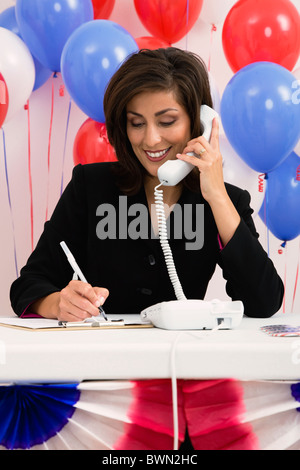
126 415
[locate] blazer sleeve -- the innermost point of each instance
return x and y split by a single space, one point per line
249 272
47 269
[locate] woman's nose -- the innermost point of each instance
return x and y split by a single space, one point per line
152 136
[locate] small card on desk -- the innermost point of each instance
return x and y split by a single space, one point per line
281 330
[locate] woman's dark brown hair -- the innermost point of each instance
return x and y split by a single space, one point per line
169 69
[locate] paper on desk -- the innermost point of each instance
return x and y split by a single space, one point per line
131 321
31 323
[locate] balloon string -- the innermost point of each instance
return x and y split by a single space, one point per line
187 23
266 204
285 271
296 280
49 145
65 145
9 202
213 29
30 174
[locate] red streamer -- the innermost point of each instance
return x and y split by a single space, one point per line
187 23
280 251
284 297
296 280
65 146
213 29
261 179
49 144
30 174
10 203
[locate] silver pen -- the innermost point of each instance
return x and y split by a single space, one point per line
78 271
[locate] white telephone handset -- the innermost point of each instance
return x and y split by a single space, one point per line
187 313
173 171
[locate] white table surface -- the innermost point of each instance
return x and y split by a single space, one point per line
73 356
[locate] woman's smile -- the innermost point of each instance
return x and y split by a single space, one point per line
158 155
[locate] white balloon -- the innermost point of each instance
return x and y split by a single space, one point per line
215 11
238 173
18 70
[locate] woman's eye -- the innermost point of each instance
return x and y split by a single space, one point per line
167 123
137 124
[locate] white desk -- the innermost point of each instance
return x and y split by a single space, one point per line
254 409
74 356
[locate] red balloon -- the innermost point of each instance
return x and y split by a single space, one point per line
3 100
169 20
149 42
103 8
91 144
256 31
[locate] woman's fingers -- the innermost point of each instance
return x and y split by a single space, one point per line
102 293
80 300
215 131
203 150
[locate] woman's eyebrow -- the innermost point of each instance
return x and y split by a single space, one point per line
136 114
165 111
156 114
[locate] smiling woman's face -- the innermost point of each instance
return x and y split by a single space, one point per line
158 128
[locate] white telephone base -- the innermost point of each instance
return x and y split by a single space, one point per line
194 314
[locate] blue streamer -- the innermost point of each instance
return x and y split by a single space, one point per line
295 389
32 414
9 202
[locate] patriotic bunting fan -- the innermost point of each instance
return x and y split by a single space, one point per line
127 415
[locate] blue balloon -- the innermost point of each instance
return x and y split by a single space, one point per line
41 74
46 25
8 21
261 115
280 210
90 57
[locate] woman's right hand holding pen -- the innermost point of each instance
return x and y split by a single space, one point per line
75 302
79 300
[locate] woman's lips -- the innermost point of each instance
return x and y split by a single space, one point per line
158 155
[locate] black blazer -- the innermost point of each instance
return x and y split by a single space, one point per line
134 270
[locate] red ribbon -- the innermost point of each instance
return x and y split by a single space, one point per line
213 29
49 143
30 174
296 280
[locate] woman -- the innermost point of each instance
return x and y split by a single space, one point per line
152 108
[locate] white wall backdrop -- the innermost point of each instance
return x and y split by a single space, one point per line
16 226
